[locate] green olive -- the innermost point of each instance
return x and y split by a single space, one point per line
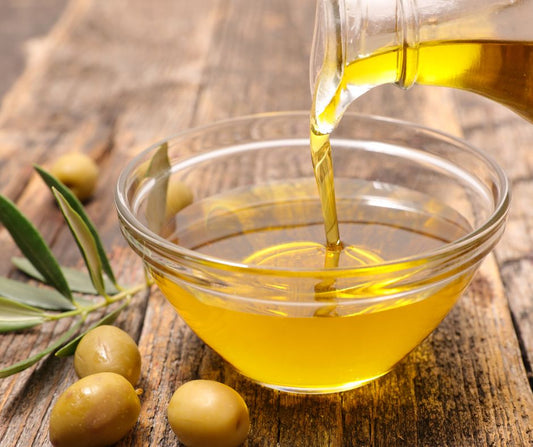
97 410
204 413
179 196
78 172
108 349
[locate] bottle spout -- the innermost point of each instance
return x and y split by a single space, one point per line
347 31
327 55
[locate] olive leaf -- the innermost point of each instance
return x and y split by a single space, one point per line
15 316
24 364
33 246
70 347
18 325
77 280
77 206
85 241
157 198
34 296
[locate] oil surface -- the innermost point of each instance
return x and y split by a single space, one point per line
269 224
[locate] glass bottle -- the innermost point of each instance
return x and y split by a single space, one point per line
483 46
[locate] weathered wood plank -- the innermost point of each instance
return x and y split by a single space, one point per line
508 139
19 22
115 76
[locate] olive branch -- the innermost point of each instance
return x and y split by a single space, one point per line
24 306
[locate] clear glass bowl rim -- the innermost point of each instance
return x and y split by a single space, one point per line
172 251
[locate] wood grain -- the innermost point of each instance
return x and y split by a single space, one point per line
20 22
111 78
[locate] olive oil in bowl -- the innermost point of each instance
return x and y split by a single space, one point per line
328 338
248 267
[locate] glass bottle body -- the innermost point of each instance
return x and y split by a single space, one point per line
483 46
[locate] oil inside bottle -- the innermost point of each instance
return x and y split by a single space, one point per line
499 70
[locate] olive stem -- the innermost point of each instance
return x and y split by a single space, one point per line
109 299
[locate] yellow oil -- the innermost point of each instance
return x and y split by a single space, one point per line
325 346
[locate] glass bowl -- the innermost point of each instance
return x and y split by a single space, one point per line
226 219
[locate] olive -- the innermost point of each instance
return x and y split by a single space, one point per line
108 349
179 196
205 413
78 172
97 410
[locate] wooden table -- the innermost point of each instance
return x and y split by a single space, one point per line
113 76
